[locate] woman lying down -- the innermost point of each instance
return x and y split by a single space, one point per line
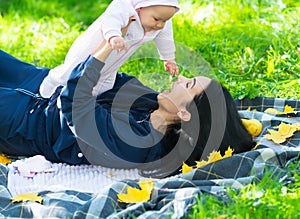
129 126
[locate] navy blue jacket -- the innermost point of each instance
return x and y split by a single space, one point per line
111 129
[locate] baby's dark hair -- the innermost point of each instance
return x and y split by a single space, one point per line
214 125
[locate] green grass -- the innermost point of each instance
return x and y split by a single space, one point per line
41 32
251 46
267 198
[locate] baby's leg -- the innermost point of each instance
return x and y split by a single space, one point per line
81 48
15 73
86 44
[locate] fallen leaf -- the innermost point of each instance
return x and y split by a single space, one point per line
287 109
137 195
4 160
297 125
186 168
275 136
27 197
228 152
284 131
201 163
146 185
214 156
273 111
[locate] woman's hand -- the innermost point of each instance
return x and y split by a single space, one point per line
124 29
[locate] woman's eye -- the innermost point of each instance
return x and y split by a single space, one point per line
190 84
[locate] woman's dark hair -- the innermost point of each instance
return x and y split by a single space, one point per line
214 125
220 124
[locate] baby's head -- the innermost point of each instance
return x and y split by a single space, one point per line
154 13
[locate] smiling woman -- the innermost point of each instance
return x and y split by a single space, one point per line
128 126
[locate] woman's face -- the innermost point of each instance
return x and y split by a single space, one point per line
154 17
184 90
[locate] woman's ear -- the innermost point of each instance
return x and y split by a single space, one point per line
184 115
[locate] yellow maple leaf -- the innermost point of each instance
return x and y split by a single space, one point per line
27 197
288 109
186 168
275 136
201 163
284 131
297 125
228 152
272 111
137 195
4 160
214 156
146 185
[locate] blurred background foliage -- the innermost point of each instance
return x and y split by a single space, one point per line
251 46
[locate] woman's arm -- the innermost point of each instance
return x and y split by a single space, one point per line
81 111
103 52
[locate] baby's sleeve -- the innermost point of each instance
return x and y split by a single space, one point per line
115 17
165 42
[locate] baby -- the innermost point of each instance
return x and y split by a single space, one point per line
150 20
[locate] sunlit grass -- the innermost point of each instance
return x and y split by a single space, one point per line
267 198
41 32
251 47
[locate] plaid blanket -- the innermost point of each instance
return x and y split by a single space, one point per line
173 197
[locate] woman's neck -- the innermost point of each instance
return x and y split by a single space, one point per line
165 115
161 119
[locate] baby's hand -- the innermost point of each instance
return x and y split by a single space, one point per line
118 43
171 67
